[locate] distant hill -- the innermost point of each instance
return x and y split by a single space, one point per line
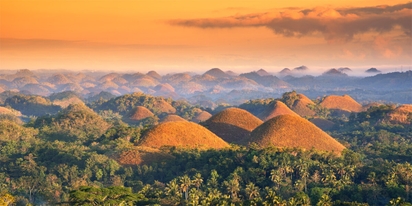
301 106
400 115
32 105
172 118
294 131
344 102
139 113
267 80
276 108
345 69
373 70
301 68
262 72
75 123
233 125
201 116
154 74
334 72
218 73
181 134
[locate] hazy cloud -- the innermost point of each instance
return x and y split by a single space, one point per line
333 24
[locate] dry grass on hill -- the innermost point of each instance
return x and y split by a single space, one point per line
233 125
344 102
164 107
294 131
202 116
401 115
139 113
172 118
182 134
275 109
141 155
301 106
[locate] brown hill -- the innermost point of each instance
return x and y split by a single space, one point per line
58 79
5 110
64 103
182 134
324 124
109 77
401 115
274 109
201 116
164 88
233 125
344 102
172 118
164 107
139 113
22 81
141 155
294 131
218 73
154 75
300 106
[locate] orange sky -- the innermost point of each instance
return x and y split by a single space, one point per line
195 35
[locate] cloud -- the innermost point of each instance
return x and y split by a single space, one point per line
333 24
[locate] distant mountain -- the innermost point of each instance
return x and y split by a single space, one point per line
344 69
334 72
262 72
373 70
218 73
267 81
301 68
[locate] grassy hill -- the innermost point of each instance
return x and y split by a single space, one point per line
294 131
181 134
233 125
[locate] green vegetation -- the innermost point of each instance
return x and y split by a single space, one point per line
74 158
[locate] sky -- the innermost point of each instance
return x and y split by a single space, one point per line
196 35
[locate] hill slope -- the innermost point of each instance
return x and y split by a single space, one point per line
344 102
182 134
233 125
294 131
275 109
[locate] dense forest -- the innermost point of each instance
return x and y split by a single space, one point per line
89 154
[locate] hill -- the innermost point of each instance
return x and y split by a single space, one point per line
172 118
233 125
262 72
274 109
201 116
344 102
218 73
141 155
181 134
372 70
294 131
139 113
334 72
76 122
400 115
300 106
154 75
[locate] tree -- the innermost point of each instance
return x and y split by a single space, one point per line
197 180
252 191
185 183
232 187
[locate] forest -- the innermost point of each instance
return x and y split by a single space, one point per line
72 155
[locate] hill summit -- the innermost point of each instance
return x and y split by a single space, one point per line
218 73
294 131
233 125
275 109
344 102
182 134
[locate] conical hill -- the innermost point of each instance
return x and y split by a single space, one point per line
233 125
294 131
182 134
275 109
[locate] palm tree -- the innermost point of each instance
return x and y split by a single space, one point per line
172 189
324 200
252 191
197 180
232 187
276 178
271 198
185 183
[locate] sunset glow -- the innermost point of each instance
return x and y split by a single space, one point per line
188 35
